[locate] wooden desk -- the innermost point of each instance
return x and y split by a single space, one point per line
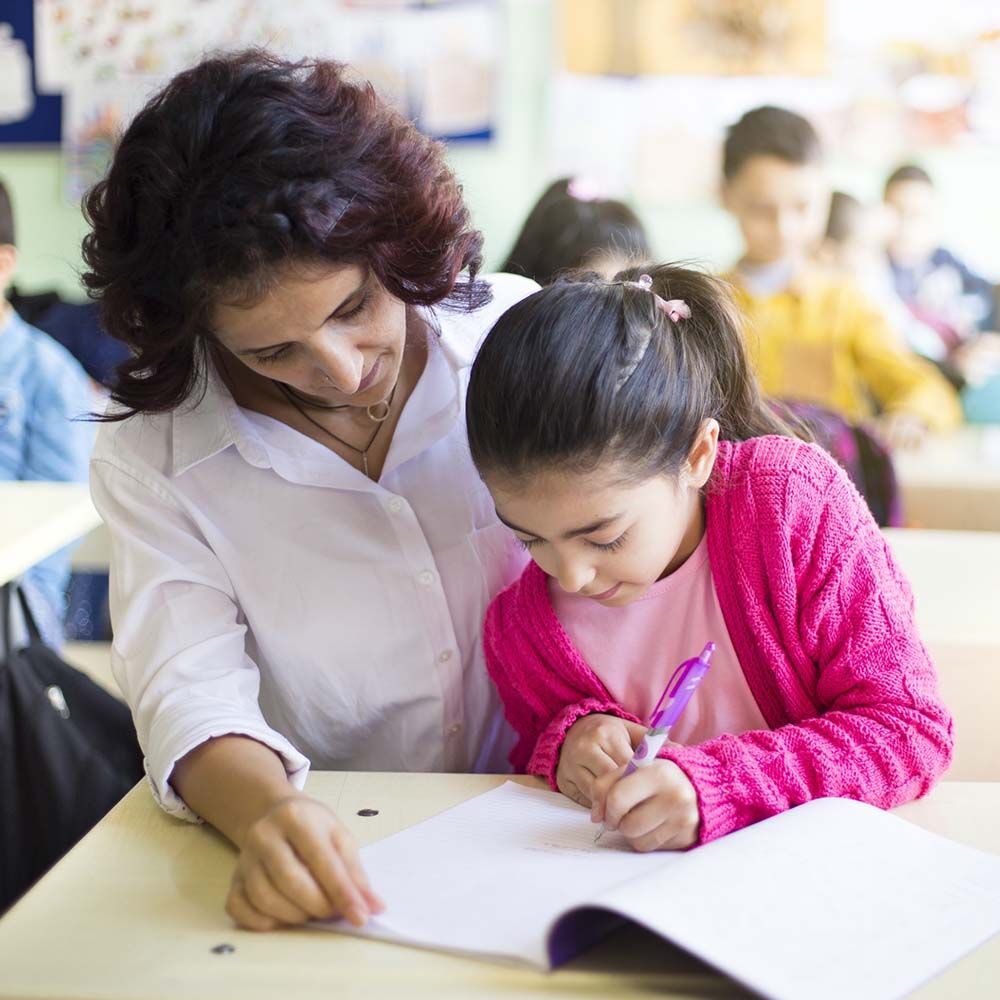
38 519
136 908
953 480
956 584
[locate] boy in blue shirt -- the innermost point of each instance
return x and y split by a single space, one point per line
42 390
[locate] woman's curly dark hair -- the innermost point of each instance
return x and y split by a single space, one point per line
245 163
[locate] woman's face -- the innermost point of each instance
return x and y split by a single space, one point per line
331 333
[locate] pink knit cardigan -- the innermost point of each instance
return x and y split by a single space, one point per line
822 622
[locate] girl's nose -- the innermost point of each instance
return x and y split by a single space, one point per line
573 576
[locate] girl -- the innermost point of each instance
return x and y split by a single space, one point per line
572 225
624 440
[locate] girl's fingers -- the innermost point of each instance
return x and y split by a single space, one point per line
294 880
599 794
648 817
664 837
620 750
624 795
572 791
244 912
267 899
636 731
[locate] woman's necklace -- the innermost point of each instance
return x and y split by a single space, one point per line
380 419
377 412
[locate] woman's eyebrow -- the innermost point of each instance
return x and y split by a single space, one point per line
603 522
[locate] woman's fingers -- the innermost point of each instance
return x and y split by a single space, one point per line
268 900
294 880
244 912
322 856
348 850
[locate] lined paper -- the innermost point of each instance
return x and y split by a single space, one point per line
832 899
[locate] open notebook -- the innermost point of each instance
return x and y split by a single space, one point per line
832 899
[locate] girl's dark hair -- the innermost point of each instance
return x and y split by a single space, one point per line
551 385
563 232
245 164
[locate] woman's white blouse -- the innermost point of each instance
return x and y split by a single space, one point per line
261 585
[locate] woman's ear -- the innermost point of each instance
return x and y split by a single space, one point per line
701 457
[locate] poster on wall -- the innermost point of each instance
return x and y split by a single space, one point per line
29 115
437 61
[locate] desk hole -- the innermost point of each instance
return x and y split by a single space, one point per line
367 812
223 949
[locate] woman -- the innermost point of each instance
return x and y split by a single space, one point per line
302 551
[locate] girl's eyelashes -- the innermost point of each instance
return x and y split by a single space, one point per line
530 543
611 546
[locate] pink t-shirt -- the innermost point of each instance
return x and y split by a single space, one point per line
634 649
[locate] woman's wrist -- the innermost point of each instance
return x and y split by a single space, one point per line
232 781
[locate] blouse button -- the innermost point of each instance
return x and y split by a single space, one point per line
445 656
455 729
395 505
426 578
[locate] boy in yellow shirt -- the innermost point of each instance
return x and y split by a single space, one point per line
815 337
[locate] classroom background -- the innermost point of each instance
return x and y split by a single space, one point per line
885 86
617 110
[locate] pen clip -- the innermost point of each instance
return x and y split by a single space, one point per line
671 689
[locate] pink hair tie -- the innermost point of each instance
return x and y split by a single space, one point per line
676 309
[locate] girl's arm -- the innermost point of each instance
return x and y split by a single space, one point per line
540 702
882 735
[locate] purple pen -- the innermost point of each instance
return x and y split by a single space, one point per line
682 685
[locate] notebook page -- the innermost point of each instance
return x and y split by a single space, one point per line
490 875
833 899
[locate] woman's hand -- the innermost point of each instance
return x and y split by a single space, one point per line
298 862
593 746
655 807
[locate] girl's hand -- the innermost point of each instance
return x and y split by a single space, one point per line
656 807
593 746
299 863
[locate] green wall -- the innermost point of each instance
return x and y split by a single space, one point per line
503 178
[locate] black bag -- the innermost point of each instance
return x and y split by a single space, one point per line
68 753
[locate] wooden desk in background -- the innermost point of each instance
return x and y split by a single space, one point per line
136 911
38 519
953 480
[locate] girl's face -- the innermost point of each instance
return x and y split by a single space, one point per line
603 538
333 334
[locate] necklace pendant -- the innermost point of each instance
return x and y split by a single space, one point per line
378 412
364 462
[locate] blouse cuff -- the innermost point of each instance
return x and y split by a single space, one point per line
170 741
545 757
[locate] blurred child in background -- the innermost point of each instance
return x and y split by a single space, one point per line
814 336
572 226
942 292
43 389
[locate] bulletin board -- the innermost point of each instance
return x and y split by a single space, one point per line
27 117
95 62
